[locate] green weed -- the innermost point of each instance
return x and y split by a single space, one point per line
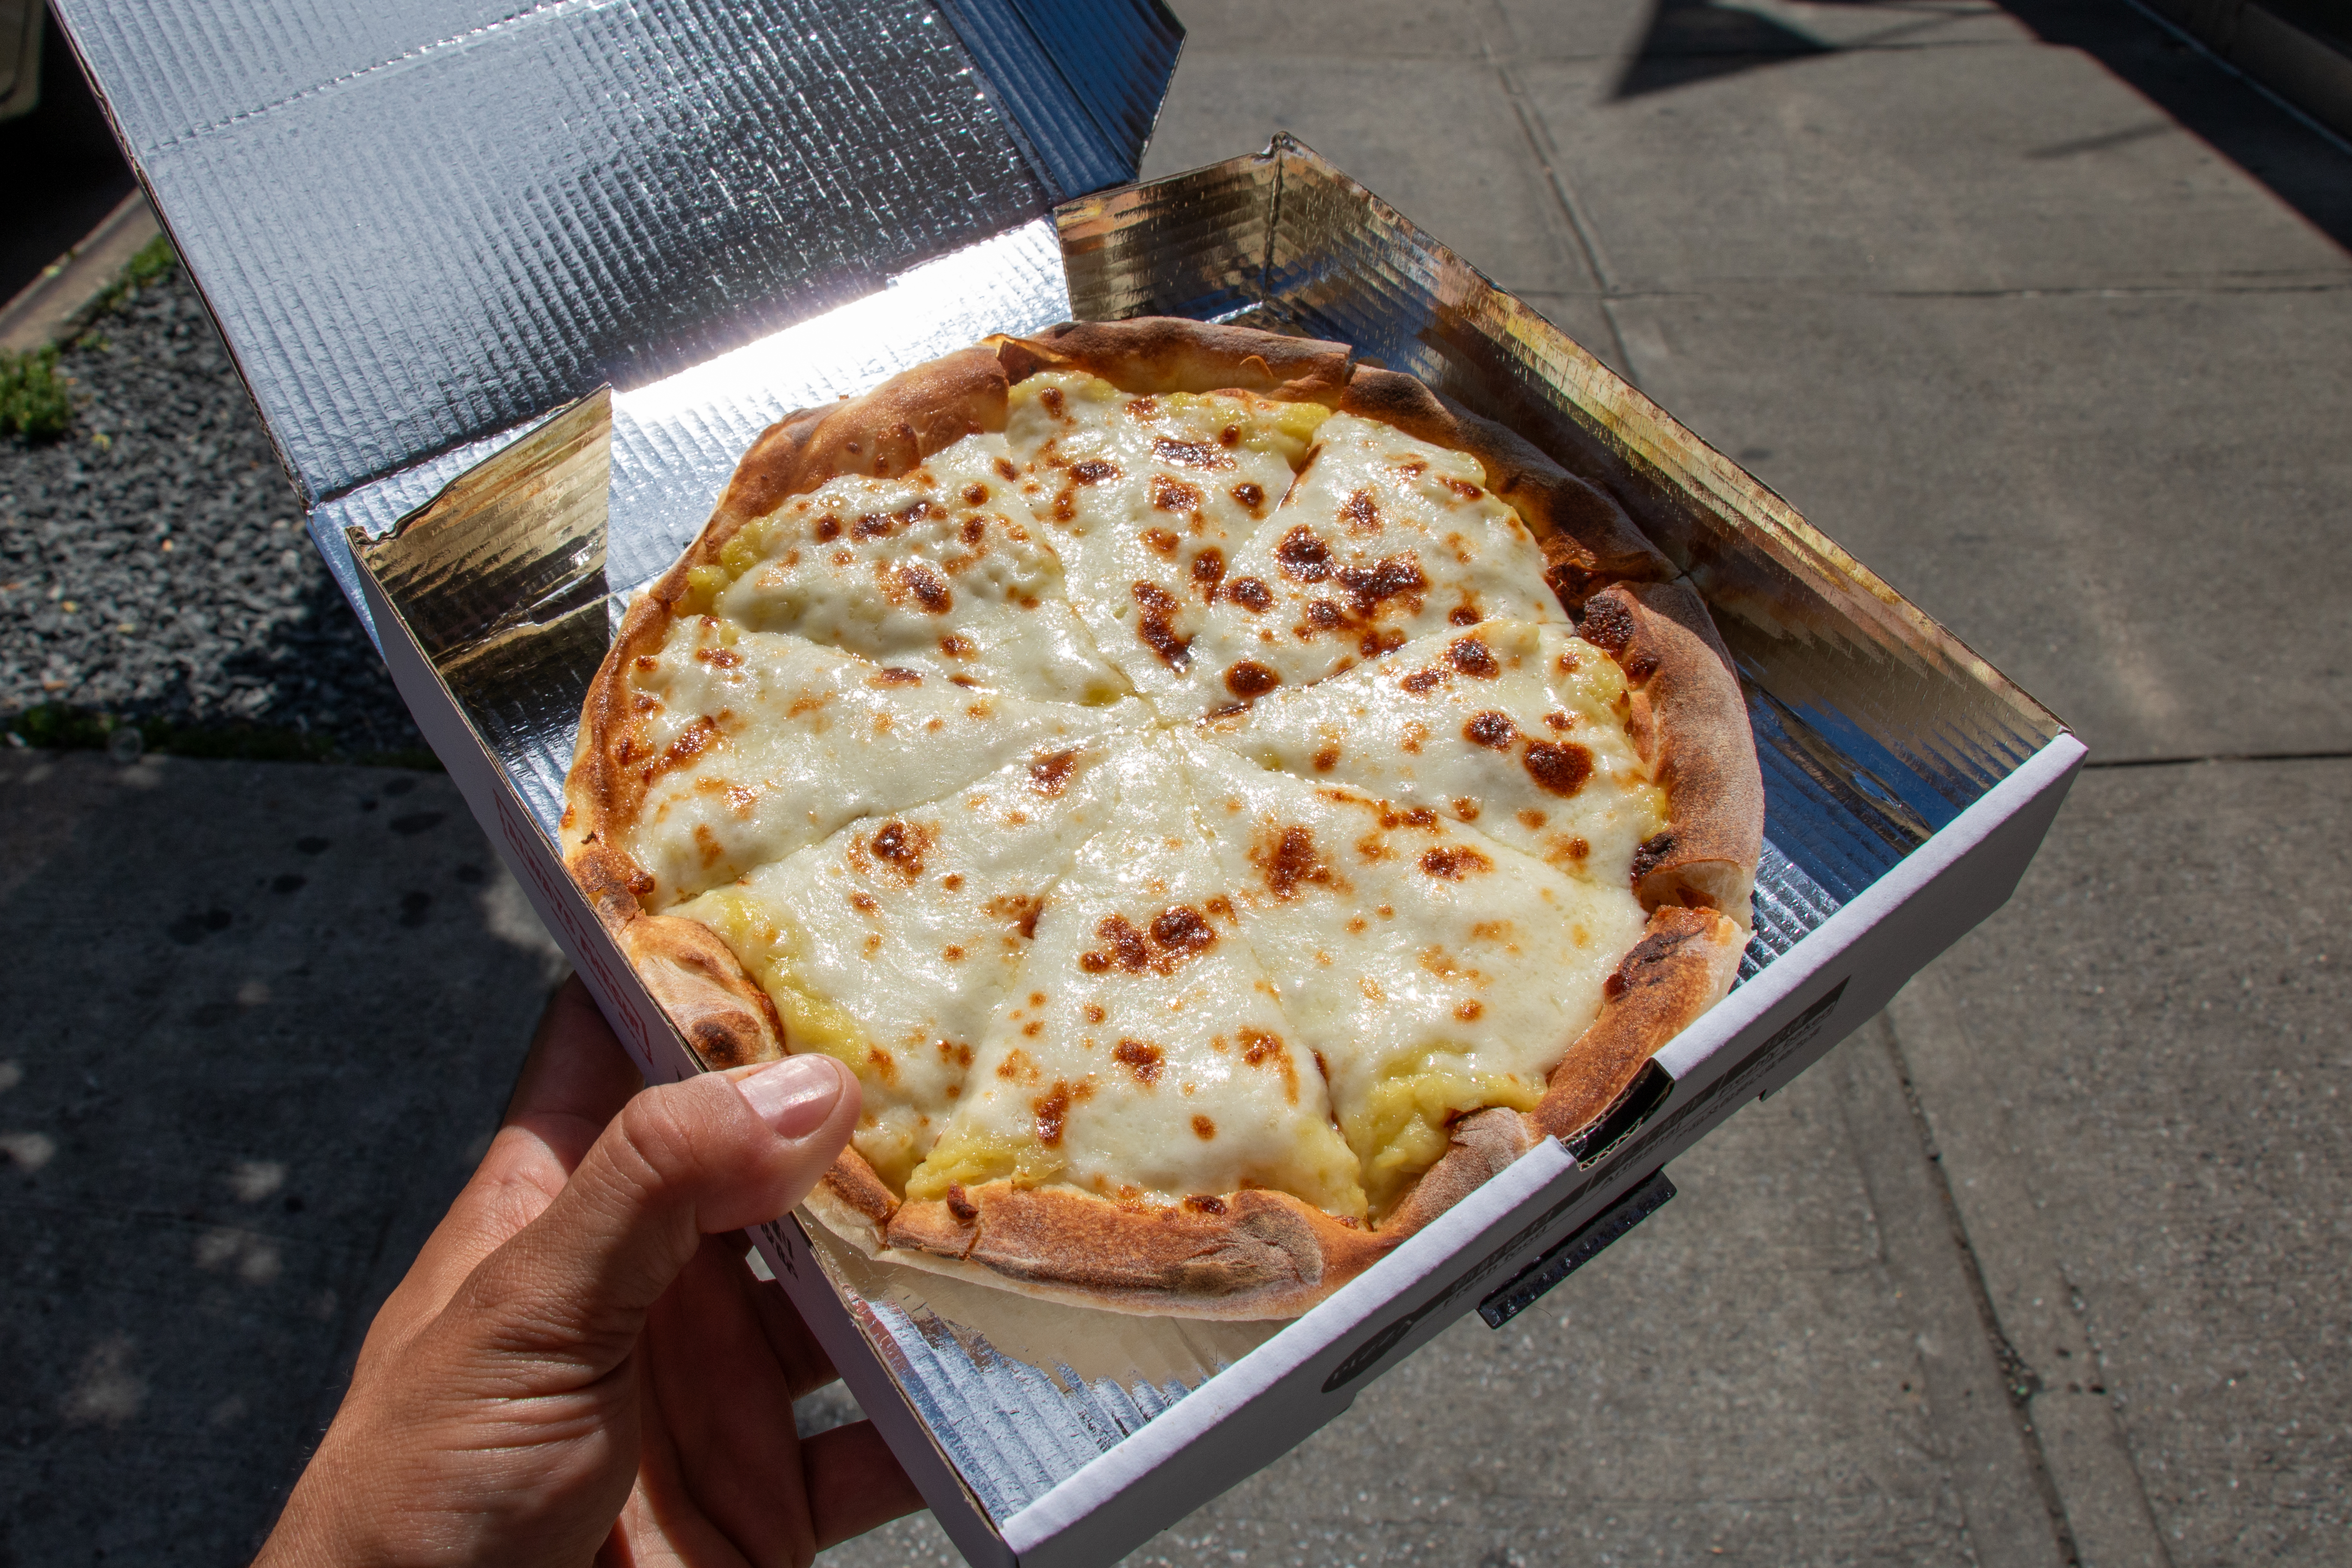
34 401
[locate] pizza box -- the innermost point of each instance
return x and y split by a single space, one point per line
436 242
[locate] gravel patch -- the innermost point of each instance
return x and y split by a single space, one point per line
153 569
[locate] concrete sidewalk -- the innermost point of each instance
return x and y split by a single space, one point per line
2047 1265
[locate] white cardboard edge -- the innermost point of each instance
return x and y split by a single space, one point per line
1195 1450
1271 1399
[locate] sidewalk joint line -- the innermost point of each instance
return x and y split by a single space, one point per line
2019 1381
2219 757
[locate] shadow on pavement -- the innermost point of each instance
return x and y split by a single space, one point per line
1692 41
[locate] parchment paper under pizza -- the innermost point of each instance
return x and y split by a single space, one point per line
1225 801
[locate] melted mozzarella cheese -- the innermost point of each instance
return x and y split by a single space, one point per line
936 571
1143 1054
1438 970
758 744
894 943
1380 539
1516 727
1148 501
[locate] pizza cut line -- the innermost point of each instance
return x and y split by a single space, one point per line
1225 803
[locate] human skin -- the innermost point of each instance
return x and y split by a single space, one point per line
580 1367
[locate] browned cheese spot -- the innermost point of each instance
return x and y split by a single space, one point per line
1359 515
1034 1027
1143 408
952 953
1005 470
1190 454
884 1068
1016 1067
975 494
953 881
1093 471
1249 679
863 903
1259 1047
1141 1058
725 658
1155 628
1052 399
1454 862
1422 682
1020 910
1175 935
1204 1129
974 529
1532 819
896 676
709 843
1250 497
1095 1015
1049 774
925 586
1464 488
1053 1108
1464 615
1468 1011
829 529
1174 495
900 847
647 661
692 742
1558 769
1491 730
1208 570
1559 723
1466 808
1287 858
1161 540
955 645
1304 557
1251 594
1202 1203
1397 577
1326 758
1473 658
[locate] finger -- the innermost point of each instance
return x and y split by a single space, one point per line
573 1081
853 1483
576 1078
807 1367
713 1153
725 1410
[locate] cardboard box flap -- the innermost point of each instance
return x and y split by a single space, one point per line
421 225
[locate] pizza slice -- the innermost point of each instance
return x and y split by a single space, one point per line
893 943
1514 727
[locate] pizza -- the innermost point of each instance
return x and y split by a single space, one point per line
1223 801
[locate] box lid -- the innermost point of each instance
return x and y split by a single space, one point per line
423 223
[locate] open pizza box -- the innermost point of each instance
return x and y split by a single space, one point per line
435 243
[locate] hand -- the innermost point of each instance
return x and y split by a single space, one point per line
580 1366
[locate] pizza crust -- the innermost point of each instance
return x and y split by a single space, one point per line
1251 1254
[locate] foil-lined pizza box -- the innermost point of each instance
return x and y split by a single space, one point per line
437 241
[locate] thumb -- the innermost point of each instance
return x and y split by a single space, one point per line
717 1152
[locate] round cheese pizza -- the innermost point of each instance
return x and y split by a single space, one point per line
1224 801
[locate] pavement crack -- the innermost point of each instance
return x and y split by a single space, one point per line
2018 1380
2189 761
